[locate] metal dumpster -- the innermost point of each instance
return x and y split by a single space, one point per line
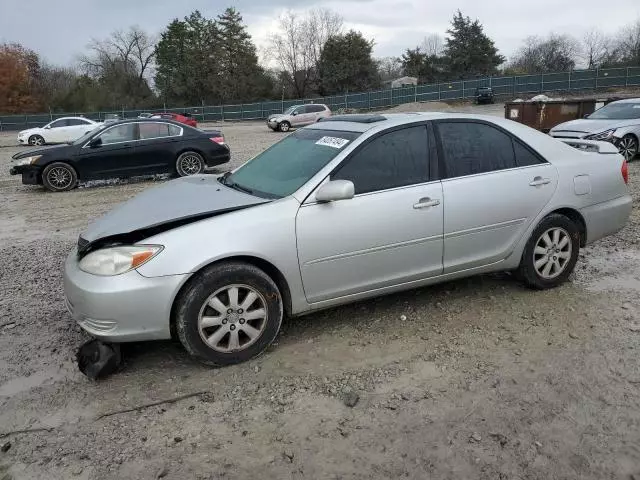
545 115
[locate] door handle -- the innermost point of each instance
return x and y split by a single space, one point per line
127 145
426 203
537 181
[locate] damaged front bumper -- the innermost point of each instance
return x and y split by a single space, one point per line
121 308
30 174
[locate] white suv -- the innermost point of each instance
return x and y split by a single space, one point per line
298 116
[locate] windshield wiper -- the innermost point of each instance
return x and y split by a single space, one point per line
224 179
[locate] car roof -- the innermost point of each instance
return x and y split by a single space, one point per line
628 100
148 120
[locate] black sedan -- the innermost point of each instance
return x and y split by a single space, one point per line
122 149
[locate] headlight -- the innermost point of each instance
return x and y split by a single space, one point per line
118 260
606 135
29 160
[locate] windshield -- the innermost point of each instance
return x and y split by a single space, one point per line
286 166
617 111
83 139
290 110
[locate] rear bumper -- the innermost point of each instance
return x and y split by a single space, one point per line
217 158
606 218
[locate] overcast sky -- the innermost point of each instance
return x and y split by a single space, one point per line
60 29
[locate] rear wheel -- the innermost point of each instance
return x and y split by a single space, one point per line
284 126
551 253
628 147
230 313
189 163
59 177
36 140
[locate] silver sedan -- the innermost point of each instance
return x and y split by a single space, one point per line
346 209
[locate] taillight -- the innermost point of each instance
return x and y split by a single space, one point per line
625 171
219 140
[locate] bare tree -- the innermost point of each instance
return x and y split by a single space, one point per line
555 53
389 68
132 51
433 45
596 47
628 44
298 44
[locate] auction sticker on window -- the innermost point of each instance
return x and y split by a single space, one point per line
334 142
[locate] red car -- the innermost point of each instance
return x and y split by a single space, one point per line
185 118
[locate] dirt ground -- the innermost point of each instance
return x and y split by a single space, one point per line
474 379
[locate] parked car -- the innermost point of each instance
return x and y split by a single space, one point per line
617 122
484 95
62 130
145 115
298 116
123 149
185 118
349 208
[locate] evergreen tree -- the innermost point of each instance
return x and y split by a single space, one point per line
469 51
346 64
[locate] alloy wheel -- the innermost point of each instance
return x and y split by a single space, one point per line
233 318
190 165
552 253
60 177
628 147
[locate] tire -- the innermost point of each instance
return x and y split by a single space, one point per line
628 147
561 256
213 286
36 140
59 177
189 163
284 126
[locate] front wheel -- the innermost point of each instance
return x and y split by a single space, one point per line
59 177
628 147
189 163
284 126
229 313
36 140
551 253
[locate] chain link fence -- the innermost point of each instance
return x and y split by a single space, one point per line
514 86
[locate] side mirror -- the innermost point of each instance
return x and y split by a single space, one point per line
335 190
293 114
586 115
47 127
95 142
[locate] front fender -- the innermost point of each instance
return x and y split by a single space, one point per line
264 231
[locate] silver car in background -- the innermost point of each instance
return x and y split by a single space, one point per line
298 116
617 123
347 209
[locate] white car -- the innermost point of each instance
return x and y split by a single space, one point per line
617 123
62 130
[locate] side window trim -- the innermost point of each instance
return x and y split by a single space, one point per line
363 145
441 157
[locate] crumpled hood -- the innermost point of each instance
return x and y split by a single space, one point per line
592 126
174 202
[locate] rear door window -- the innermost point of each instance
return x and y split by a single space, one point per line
470 148
150 130
392 160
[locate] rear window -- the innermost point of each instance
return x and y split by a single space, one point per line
286 166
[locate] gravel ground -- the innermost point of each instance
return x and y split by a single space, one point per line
476 379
